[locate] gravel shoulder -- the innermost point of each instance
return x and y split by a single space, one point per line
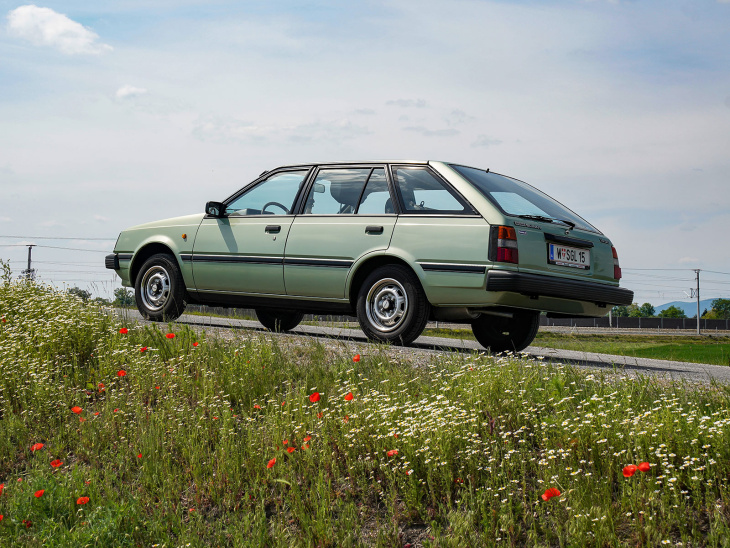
355 341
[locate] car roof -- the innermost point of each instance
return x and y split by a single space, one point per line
361 162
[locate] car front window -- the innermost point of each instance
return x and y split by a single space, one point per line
274 196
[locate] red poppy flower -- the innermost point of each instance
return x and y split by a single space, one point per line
38 494
143 349
121 373
170 335
630 470
256 406
356 358
82 419
124 330
271 463
56 463
320 415
305 446
392 452
285 442
308 438
27 523
157 387
283 403
101 386
36 447
139 456
117 409
346 419
290 449
644 466
2 486
96 413
1 516
82 500
349 396
3 319
550 493
314 397
195 344
76 409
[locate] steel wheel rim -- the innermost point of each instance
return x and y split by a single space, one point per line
155 288
386 305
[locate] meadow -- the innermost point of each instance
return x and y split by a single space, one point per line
116 434
709 348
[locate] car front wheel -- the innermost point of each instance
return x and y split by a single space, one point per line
159 289
279 321
391 305
500 334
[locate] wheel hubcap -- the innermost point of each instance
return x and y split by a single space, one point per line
155 288
386 305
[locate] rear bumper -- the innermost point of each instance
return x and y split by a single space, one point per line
535 285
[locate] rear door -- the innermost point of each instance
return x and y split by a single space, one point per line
348 213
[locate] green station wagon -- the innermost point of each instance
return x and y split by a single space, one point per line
394 243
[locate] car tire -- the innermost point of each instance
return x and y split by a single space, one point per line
279 321
499 334
159 289
391 305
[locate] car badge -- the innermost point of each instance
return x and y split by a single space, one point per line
567 232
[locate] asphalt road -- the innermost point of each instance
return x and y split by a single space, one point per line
696 372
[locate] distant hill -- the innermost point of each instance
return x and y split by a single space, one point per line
689 307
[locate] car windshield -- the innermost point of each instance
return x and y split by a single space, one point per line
519 199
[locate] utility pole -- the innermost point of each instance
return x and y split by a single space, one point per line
696 293
29 273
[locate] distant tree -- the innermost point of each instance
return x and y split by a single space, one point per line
101 301
672 312
721 308
123 297
647 310
620 311
80 293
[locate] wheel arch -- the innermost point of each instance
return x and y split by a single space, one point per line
367 266
144 253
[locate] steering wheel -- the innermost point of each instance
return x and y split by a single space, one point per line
277 204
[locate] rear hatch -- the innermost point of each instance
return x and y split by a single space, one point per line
557 249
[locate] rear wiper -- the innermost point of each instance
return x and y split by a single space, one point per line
544 219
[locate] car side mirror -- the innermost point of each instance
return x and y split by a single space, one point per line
215 209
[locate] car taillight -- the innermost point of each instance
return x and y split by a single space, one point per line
503 245
616 267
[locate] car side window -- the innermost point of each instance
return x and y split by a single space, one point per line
376 197
336 191
274 196
423 192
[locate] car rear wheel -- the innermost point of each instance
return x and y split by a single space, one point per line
391 305
500 334
159 290
279 320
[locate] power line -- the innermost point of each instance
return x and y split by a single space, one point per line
55 238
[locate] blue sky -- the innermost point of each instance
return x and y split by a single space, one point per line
116 113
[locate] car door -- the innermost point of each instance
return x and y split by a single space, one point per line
243 252
347 214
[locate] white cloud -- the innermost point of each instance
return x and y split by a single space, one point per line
128 91
45 27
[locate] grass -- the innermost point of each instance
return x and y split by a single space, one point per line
455 451
710 349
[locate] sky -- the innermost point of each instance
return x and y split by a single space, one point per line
114 113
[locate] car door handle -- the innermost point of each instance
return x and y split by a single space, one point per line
273 229
373 230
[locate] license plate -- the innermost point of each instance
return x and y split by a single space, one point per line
574 257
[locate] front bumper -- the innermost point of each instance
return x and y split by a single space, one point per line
112 261
535 285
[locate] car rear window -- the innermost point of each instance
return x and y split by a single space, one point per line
516 198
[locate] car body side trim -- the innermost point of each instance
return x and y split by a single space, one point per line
333 263
454 267
536 285
250 259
